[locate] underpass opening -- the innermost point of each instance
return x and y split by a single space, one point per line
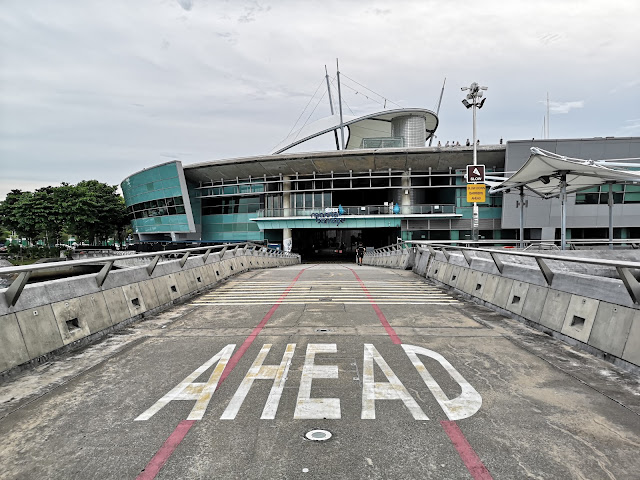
339 244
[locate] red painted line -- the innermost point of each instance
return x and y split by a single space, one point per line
469 457
383 320
465 450
162 455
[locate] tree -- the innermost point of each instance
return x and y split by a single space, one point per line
95 211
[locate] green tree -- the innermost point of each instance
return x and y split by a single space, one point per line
8 215
95 211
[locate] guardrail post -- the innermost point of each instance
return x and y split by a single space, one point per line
222 252
183 260
152 265
206 255
235 250
102 274
467 257
15 289
432 251
630 282
445 253
546 271
497 261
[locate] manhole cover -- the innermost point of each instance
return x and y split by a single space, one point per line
318 435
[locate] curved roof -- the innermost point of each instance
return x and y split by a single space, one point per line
374 125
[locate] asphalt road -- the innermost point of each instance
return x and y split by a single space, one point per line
409 381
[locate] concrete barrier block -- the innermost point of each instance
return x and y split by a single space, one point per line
73 287
218 269
162 288
517 297
71 320
469 282
149 294
479 284
441 271
611 328
579 318
39 330
117 305
186 282
490 287
31 297
462 278
631 351
434 266
13 351
453 274
135 300
555 309
501 297
95 311
534 303
172 286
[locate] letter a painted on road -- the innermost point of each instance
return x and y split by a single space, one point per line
200 392
258 371
391 390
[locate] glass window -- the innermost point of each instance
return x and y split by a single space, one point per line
308 200
317 200
327 199
180 210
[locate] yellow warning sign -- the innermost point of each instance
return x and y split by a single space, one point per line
476 192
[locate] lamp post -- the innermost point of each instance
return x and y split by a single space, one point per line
475 94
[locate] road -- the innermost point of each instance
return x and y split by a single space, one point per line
408 380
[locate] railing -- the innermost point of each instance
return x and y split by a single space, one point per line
430 209
15 289
623 267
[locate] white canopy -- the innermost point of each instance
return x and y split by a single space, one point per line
374 125
543 174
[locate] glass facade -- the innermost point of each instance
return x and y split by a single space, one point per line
155 200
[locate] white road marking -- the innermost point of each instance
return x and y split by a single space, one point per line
466 404
278 373
391 390
308 408
188 390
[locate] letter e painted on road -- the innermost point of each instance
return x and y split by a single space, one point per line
308 408
391 390
188 390
277 373
464 405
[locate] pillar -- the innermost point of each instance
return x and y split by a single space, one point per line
287 234
406 193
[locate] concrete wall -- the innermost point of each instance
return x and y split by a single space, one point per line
59 315
595 313
402 259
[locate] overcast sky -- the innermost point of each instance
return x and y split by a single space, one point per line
104 88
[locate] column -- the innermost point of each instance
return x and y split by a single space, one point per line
287 234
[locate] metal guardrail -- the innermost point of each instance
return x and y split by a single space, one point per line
15 289
623 267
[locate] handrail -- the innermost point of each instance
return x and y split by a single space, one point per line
623 267
12 293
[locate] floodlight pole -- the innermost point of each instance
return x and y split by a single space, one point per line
475 92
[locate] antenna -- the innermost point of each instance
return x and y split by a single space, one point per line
438 108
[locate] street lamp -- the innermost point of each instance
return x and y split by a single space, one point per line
474 95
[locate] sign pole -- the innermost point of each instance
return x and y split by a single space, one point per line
475 214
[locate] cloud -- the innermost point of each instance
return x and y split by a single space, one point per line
564 107
186 4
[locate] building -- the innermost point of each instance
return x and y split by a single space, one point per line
386 184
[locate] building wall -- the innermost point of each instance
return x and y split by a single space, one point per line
158 200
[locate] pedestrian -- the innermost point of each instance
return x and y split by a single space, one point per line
439 144
360 251
468 143
447 144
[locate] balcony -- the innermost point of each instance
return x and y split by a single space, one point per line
368 210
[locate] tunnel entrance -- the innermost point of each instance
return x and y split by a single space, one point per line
339 244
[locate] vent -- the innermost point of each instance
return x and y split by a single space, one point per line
199 279
577 322
231 267
478 286
174 289
73 324
217 273
135 301
453 277
515 300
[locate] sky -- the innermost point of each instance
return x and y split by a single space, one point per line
102 89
